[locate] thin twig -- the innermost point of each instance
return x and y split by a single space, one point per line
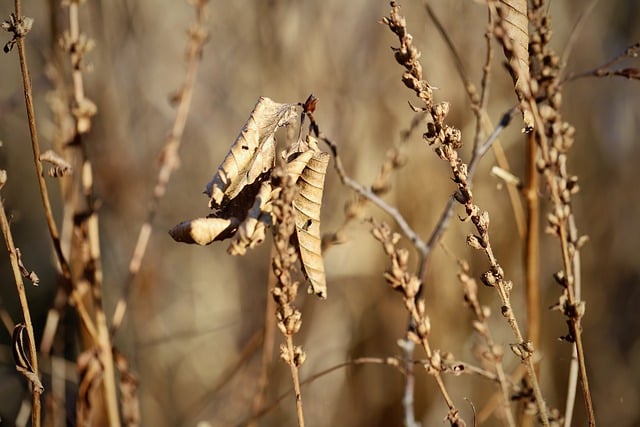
35 145
170 157
575 33
554 137
480 111
477 155
36 390
604 70
376 200
268 344
85 252
390 361
532 245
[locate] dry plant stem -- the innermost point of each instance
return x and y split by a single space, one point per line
532 246
296 383
494 353
202 406
92 264
554 137
170 156
604 70
389 361
35 145
574 366
285 291
268 344
409 286
479 151
575 32
479 107
44 193
24 305
449 139
408 399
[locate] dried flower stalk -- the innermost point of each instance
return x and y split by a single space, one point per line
288 317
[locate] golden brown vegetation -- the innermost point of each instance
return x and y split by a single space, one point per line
337 193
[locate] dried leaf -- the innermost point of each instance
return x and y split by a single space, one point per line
202 231
253 152
307 203
128 391
516 25
31 275
21 355
90 371
252 231
60 167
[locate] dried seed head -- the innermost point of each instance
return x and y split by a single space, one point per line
475 242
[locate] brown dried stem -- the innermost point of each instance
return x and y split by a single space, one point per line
35 145
85 248
389 361
288 317
554 137
36 389
449 141
495 352
170 157
268 344
532 245
410 285
604 70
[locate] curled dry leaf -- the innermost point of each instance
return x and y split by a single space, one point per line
128 391
253 152
238 189
90 371
201 230
252 231
241 191
516 26
31 275
308 165
60 167
21 355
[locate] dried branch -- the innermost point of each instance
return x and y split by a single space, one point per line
448 141
289 318
389 361
409 285
20 27
554 138
605 70
170 155
495 352
27 357
478 106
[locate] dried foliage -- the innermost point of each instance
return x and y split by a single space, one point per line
188 353
242 191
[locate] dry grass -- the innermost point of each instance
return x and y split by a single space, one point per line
129 327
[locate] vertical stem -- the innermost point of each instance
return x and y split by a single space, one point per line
531 257
33 356
296 382
268 344
35 145
532 245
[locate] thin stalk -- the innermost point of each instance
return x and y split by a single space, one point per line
532 245
296 383
268 344
170 157
35 146
532 255
26 314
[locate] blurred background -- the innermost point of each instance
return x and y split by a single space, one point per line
193 329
